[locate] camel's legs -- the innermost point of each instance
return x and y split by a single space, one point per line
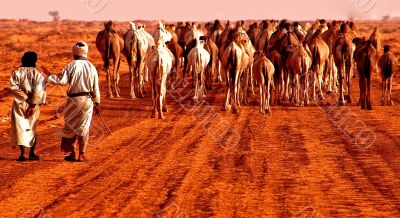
369 105
390 90
383 91
132 79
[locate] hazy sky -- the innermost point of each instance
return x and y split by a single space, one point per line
125 10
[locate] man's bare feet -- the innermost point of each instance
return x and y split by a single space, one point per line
82 157
71 157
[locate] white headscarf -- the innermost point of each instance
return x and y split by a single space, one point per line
80 49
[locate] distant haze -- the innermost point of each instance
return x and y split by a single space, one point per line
202 10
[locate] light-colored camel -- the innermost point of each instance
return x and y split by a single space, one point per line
136 50
299 66
110 45
387 65
198 60
161 33
320 61
159 64
171 28
246 73
365 58
193 34
263 37
263 71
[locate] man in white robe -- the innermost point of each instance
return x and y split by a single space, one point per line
28 89
83 95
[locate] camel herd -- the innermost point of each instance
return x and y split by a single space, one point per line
287 61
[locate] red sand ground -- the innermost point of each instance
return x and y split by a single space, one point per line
200 161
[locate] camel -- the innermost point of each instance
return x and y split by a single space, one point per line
387 65
181 30
246 73
365 58
253 31
299 64
343 55
263 70
376 38
150 40
136 50
176 49
159 64
110 45
231 59
224 36
215 34
283 41
298 30
212 49
185 54
171 28
276 60
261 41
216 31
193 34
198 60
330 36
320 61
161 33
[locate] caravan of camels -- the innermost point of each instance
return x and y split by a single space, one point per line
285 61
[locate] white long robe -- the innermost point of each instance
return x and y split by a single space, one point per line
27 84
81 76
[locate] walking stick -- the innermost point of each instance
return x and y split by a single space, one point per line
102 120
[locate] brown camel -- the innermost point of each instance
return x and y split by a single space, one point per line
253 31
284 41
181 30
343 55
110 45
232 55
216 31
263 71
387 65
224 35
330 36
365 58
212 49
262 39
176 49
320 61
276 60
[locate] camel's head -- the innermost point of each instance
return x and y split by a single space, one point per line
108 25
160 25
132 25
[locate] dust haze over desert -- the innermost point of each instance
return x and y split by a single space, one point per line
321 159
